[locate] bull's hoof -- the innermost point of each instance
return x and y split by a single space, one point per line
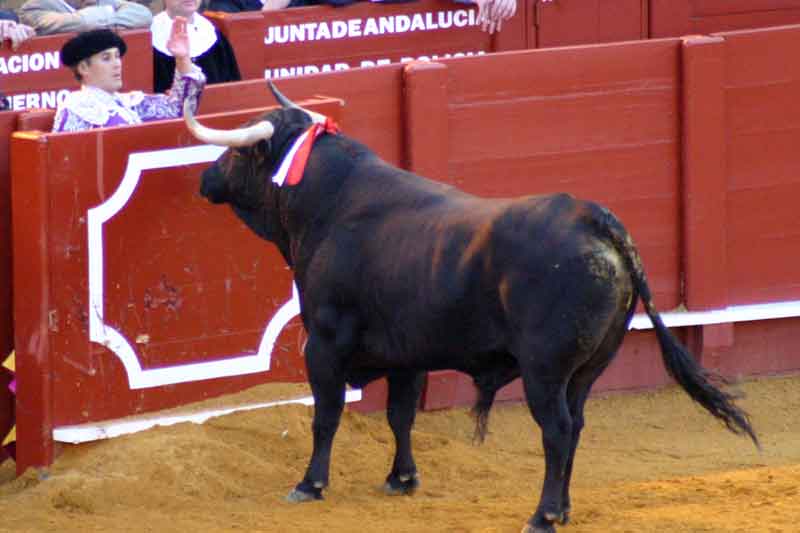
401 485
559 518
299 496
543 521
538 529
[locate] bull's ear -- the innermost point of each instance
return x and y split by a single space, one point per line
285 102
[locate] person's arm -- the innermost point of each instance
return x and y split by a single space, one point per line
275 5
130 15
16 33
492 13
188 84
66 120
50 16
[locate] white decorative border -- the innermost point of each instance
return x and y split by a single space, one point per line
734 313
115 341
115 428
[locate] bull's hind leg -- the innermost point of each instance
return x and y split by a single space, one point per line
580 386
577 393
559 351
404 391
326 377
548 404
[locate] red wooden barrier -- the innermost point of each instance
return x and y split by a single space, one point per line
136 284
740 169
616 123
670 18
8 121
33 76
704 174
571 22
373 97
301 41
591 121
762 128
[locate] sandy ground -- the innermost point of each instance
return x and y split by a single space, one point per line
650 462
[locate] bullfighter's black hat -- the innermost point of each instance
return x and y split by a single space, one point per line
88 43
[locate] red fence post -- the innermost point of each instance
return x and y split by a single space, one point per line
29 194
8 121
426 125
705 191
427 136
704 174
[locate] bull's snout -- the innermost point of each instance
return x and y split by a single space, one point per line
212 186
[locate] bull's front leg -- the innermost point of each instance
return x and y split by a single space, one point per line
326 377
404 391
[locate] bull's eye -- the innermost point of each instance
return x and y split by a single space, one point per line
231 161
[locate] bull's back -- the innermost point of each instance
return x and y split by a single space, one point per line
433 278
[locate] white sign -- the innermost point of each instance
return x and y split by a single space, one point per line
370 26
301 70
21 63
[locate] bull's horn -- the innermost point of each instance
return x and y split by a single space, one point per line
285 102
233 138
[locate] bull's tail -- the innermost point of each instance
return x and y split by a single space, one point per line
486 385
698 382
480 411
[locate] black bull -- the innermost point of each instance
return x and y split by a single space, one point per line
398 275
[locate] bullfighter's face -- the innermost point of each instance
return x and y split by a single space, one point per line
102 70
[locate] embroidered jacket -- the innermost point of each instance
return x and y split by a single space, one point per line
95 108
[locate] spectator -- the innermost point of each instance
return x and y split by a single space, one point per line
6 14
492 13
208 48
16 33
61 16
236 6
95 59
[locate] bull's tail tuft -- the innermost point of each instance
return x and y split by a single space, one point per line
481 410
698 382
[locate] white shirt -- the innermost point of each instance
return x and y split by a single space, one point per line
202 34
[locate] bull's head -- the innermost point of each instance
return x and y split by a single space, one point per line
242 175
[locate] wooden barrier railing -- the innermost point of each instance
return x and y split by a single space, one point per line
8 123
671 18
101 307
760 171
301 41
307 40
689 141
32 77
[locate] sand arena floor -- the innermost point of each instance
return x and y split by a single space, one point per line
650 462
